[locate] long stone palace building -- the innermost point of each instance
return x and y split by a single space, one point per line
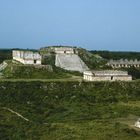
27 57
107 75
124 63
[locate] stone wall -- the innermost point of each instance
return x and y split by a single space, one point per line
108 78
123 63
27 57
70 62
64 50
102 76
122 78
109 73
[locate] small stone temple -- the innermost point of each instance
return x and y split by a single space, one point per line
64 50
107 75
124 63
27 57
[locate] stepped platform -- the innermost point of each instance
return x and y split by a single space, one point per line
70 62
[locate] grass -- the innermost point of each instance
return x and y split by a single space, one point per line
131 104
69 110
19 71
71 79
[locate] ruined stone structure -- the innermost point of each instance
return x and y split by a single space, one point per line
67 59
107 75
64 50
3 65
27 57
123 63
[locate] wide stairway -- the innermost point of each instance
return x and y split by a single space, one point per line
70 62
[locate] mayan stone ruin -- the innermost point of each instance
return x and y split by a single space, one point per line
27 57
107 75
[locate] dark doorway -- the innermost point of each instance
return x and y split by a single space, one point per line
64 51
111 77
34 61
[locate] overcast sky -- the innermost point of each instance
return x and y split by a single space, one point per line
91 24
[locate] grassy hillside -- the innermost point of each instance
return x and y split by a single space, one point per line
69 110
20 71
93 61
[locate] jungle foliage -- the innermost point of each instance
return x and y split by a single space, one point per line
5 54
117 55
69 110
91 60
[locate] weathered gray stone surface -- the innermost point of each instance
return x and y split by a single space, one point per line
124 63
27 57
107 75
70 62
3 65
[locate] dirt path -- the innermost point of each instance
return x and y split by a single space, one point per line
19 115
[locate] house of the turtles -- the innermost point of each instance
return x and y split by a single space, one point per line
107 75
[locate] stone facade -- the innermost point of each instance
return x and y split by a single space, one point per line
71 62
27 57
123 63
63 50
107 75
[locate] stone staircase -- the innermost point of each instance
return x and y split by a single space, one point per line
3 65
70 62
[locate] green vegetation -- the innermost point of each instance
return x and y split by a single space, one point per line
117 55
5 54
135 72
59 107
69 110
17 70
93 61
49 59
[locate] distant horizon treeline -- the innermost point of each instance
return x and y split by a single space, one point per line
5 54
116 55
